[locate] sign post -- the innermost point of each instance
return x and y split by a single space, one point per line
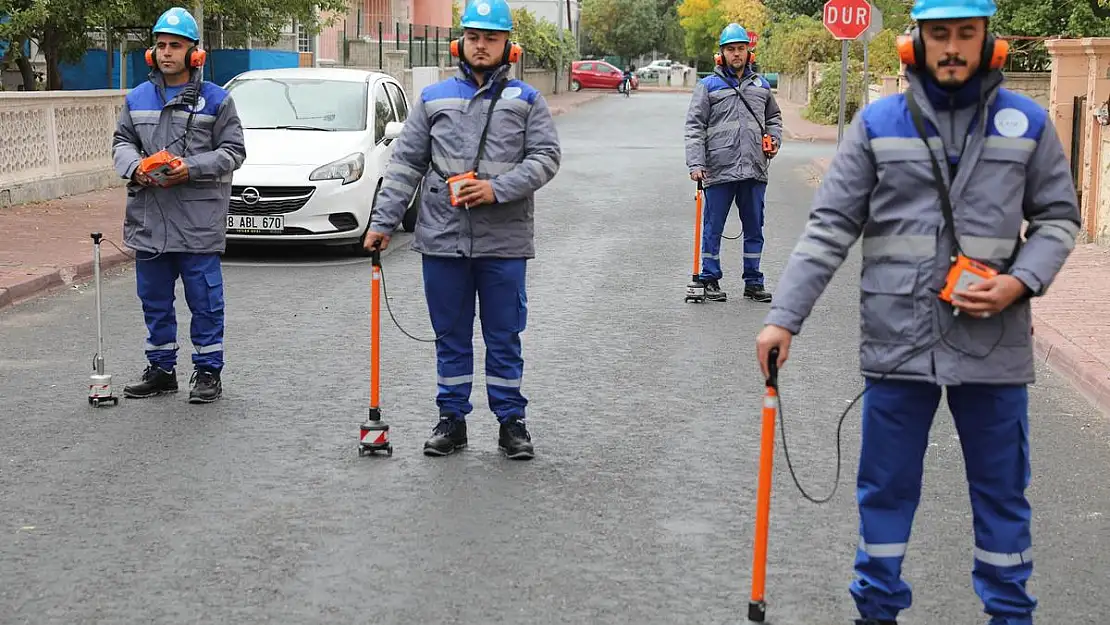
845 20
874 29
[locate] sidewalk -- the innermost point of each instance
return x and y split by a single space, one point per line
797 128
47 244
1071 322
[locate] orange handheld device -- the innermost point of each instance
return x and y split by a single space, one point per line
964 273
768 144
157 166
455 184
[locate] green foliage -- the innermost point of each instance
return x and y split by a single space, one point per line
792 42
824 102
626 28
672 39
540 39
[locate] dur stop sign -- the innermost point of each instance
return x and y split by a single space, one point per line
847 19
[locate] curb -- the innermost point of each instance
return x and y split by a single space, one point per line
61 277
1085 373
557 110
80 273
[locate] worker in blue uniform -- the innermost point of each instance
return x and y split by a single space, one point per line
478 145
946 172
178 226
733 130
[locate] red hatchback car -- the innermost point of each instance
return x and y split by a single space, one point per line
597 75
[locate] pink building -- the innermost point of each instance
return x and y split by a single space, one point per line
366 18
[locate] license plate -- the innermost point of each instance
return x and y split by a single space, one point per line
256 223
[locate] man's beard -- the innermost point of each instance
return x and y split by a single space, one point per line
942 77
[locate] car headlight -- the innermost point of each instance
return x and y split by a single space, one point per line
348 169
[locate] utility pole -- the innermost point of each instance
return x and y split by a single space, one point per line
198 14
559 63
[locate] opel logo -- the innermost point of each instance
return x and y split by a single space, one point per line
250 196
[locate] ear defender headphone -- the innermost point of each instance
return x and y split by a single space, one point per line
911 51
719 59
194 57
512 52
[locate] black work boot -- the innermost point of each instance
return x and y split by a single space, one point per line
207 387
874 621
155 381
714 293
515 440
757 293
448 436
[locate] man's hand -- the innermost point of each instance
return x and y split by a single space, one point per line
774 149
697 174
141 179
989 297
476 192
178 174
769 337
375 239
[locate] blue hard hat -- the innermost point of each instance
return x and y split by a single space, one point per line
734 33
488 15
951 9
177 21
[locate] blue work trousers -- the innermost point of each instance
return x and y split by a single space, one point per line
156 279
993 426
748 195
450 286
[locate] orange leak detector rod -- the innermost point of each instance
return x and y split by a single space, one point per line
695 291
757 607
374 434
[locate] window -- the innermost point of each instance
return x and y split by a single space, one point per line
399 103
383 113
307 104
304 40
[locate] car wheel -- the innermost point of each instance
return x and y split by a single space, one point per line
575 85
408 222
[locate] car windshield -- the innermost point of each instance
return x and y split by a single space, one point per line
300 103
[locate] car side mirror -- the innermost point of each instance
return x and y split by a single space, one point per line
393 130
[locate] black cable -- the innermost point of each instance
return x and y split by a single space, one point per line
462 305
844 415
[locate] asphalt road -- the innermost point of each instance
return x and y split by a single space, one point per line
645 413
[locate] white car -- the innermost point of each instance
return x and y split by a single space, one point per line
318 142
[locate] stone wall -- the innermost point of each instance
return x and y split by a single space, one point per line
1036 85
59 143
56 143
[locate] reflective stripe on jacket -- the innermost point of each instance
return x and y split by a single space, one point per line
880 187
722 137
192 216
521 155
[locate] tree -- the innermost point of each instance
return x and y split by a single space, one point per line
703 20
751 14
540 39
59 28
627 28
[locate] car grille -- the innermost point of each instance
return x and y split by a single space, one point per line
271 200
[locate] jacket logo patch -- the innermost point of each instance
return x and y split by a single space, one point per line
1011 123
201 102
511 92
